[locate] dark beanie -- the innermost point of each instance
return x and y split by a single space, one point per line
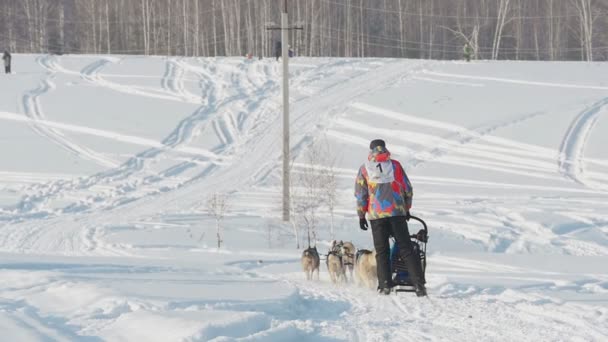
375 143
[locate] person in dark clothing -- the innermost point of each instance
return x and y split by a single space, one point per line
384 193
7 62
278 50
467 52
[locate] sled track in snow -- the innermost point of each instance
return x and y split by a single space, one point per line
517 81
231 95
122 180
456 315
448 317
90 73
118 177
33 110
33 325
310 110
572 150
173 82
336 98
48 62
461 145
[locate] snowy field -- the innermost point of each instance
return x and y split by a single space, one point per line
107 162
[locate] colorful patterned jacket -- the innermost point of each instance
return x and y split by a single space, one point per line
382 188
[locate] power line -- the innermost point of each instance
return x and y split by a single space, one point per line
413 14
441 47
219 39
113 22
397 40
68 49
397 47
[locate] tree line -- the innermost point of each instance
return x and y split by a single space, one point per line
434 29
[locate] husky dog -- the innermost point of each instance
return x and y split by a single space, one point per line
335 267
365 268
348 257
311 262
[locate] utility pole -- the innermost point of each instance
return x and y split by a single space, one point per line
285 28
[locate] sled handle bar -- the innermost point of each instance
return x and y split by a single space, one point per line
426 230
421 221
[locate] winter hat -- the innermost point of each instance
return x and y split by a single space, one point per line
377 142
378 151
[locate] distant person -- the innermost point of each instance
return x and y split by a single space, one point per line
468 51
277 50
7 62
290 52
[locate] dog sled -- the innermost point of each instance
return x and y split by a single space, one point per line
399 271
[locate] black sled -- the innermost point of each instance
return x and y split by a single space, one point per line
399 271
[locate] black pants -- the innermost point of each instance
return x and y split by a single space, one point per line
382 230
7 69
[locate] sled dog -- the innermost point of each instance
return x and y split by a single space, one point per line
310 262
348 257
365 268
335 267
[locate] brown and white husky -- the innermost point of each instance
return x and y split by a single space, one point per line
335 267
366 269
348 257
311 262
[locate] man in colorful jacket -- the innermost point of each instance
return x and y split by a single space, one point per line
384 193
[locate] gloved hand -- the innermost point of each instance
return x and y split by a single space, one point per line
363 223
421 236
408 216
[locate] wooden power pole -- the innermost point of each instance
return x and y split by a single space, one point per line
285 28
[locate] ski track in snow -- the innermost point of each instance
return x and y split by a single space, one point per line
571 161
91 73
308 110
470 147
433 80
129 169
131 185
133 180
484 151
314 310
33 109
33 326
129 175
127 287
516 81
120 181
454 313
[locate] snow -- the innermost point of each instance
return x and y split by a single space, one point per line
107 162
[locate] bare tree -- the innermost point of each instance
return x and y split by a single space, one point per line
307 197
519 29
168 28
108 44
330 196
503 11
185 27
217 205
293 203
586 16
313 189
